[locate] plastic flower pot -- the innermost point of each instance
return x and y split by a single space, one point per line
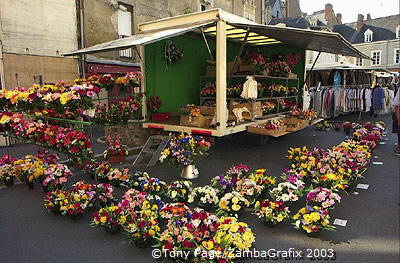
8 181
116 159
112 230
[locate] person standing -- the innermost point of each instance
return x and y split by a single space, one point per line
396 120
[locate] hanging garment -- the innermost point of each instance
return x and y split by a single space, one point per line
378 97
249 88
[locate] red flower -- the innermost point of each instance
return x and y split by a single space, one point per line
188 244
142 224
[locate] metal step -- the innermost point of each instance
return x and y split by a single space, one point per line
158 141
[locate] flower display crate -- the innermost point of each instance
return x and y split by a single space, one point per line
293 124
200 122
262 131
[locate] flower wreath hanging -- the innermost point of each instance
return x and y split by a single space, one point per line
172 53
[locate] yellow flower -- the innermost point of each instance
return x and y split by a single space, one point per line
122 219
152 232
235 207
235 200
331 176
223 204
325 222
279 218
103 219
4 119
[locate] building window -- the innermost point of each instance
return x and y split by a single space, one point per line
396 59
398 31
125 14
368 35
336 58
202 7
359 61
376 57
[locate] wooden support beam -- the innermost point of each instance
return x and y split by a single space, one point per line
221 76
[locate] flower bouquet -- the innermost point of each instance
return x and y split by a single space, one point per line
347 127
118 176
223 184
54 200
238 171
116 152
102 171
271 212
152 186
232 236
154 104
7 170
269 107
107 81
323 126
260 177
179 191
176 213
56 177
204 196
322 197
143 230
91 167
312 220
279 68
110 218
232 203
256 60
287 192
249 189
29 169
209 90
185 149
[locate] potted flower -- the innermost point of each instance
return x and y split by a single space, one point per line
347 127
56 177
110 218
204 196
232 203
154 104
183 150
322 197
312 220
29 169
179 191
102 170
271 212
249 189
7 170
118 176
338 126
287 192
269 107
223 184
116 152
143 231
54 200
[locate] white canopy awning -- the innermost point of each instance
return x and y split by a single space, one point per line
261 34
135 40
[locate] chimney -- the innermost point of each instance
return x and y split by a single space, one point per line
328 12
339 18
360 22
368 16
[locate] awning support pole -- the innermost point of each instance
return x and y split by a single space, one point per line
312 67
221 107
206 42
240 54
138 53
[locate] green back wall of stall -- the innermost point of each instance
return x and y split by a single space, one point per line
179 84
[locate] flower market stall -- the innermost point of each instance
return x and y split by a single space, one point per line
216 74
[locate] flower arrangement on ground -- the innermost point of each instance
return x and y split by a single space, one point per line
204 196
29 169
323 126
7 170
115 151
110 218
185 149
223 183
176 213
118 176
260 178
271 212
179 191
322 197
312 220
249 189
231 204
102 170
287 192
143 230
232 236
66 203
56 176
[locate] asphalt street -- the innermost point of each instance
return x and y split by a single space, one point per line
29 234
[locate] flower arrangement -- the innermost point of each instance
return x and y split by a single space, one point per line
312 220
54 200
176 213
287 192
118 176
269 107
322 197
153 186
271 212
234 91
102 170
154 103
309 115
143 230
29 169
209 90
179 191
190 110
202 225
184 149
260 178
347 125
272 125
238 171
232 203
232 236
278 68
72 204
56 176
223 183
249 189
295 155
115 149
204 196
91 167
73 143
118 112
107 81
256 60
7 170
110 218
285 105
323 126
